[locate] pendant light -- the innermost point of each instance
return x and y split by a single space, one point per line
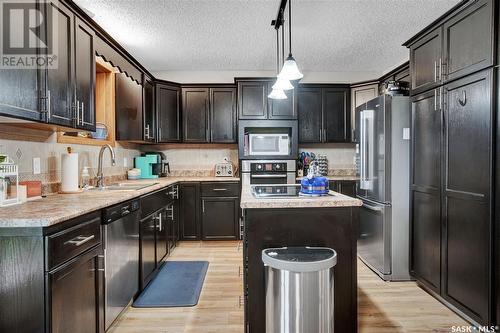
281 82
290 70
280 85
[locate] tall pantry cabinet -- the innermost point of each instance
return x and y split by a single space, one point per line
453 107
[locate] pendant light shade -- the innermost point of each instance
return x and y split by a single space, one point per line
282 84
277 94
290 70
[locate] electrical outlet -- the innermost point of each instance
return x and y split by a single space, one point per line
125 162
36 165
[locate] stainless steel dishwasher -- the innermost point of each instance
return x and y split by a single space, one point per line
121 257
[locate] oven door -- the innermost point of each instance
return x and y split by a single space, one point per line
268 178
269 145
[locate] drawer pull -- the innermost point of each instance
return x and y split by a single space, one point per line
220 189
80 240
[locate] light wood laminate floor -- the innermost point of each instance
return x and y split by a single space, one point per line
398 307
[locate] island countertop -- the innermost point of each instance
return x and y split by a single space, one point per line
333 200
58 208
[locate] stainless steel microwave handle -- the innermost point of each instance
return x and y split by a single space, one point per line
269 176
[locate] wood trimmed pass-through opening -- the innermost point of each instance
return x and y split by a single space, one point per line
104 105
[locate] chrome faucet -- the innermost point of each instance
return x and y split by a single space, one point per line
100 176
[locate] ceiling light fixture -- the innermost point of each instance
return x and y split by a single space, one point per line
281 84
290 70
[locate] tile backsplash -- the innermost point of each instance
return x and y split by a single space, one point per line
25 144
23 149
197 159
341 157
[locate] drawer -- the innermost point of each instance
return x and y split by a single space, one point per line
220 189
73 241
155 201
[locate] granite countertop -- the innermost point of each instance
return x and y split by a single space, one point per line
57 208
333 200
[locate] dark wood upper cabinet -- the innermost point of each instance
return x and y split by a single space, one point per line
223 115
128 105
469 40
149 111
324 114
425 190
85 75
283 108
195 114
426 62
60 79
468 145
252 99
460 45
336 115
360 95
310 118
168 112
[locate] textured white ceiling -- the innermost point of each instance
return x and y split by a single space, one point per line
236 35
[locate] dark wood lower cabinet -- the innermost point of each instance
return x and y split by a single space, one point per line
329 227
219 218
162 234
41 295
75 295
451 189
147 248
466 207
347 187
190 211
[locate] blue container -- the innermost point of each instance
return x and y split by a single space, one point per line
101 132
315 186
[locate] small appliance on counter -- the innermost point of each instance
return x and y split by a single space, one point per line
397 88
224 169
314 184
152 165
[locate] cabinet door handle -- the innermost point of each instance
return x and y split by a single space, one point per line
324 135
49 112
440 69
435 99
463 101
435 71
203 206
79 240
159 133
77 112
83 105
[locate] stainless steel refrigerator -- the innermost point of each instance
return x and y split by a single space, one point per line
382 162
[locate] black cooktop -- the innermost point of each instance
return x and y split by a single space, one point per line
261 191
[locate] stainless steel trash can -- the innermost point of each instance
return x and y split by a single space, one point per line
299 289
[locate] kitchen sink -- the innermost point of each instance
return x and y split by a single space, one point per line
124 187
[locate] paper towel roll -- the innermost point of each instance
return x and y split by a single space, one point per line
69 172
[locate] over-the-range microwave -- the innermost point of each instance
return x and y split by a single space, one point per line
271 144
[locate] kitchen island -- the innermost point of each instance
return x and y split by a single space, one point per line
329 221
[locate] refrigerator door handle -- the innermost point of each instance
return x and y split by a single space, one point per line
362 144
370 207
